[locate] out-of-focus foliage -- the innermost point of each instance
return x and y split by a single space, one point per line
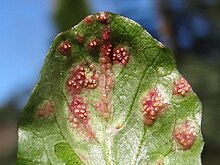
190 25
8 132
69 12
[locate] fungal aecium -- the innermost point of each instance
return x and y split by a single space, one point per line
93 44
88 20
102 17
184 135
152 106
79 111
181 87
65 48
79 79
120 55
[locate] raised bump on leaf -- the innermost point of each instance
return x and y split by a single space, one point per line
102 17
79 37
120 55
64 48
88 20
184 134
93 44
79 110
79 79
181 87
152 105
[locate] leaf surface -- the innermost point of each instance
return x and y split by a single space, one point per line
109 93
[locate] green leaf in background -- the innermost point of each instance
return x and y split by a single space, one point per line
109 94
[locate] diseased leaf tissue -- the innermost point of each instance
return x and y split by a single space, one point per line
110 94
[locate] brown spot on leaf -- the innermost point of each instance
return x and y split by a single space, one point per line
106 34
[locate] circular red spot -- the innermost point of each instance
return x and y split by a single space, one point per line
181 87
152 105
79 109
89 19
64 48
120 55
102 17
185 135
93 44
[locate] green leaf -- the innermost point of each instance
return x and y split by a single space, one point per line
109 93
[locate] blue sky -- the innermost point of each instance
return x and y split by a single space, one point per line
26 31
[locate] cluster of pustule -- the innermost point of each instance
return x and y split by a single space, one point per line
181 87
152 105
86 77
120 55
184 134
79 110
80 79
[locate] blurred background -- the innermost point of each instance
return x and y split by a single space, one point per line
191 28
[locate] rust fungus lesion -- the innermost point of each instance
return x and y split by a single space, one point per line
88 20
46 110
106 75
79 115
102 17
93 43
184 135
65 48
181 87
120 55
153 105
82 77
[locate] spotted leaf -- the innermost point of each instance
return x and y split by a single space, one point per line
109 93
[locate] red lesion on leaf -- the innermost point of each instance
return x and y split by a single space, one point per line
120 55
64 48
46 110
88 20
181 87
102 17
184 135
106 34
79 115
93 44
80 79
152 106
106 77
